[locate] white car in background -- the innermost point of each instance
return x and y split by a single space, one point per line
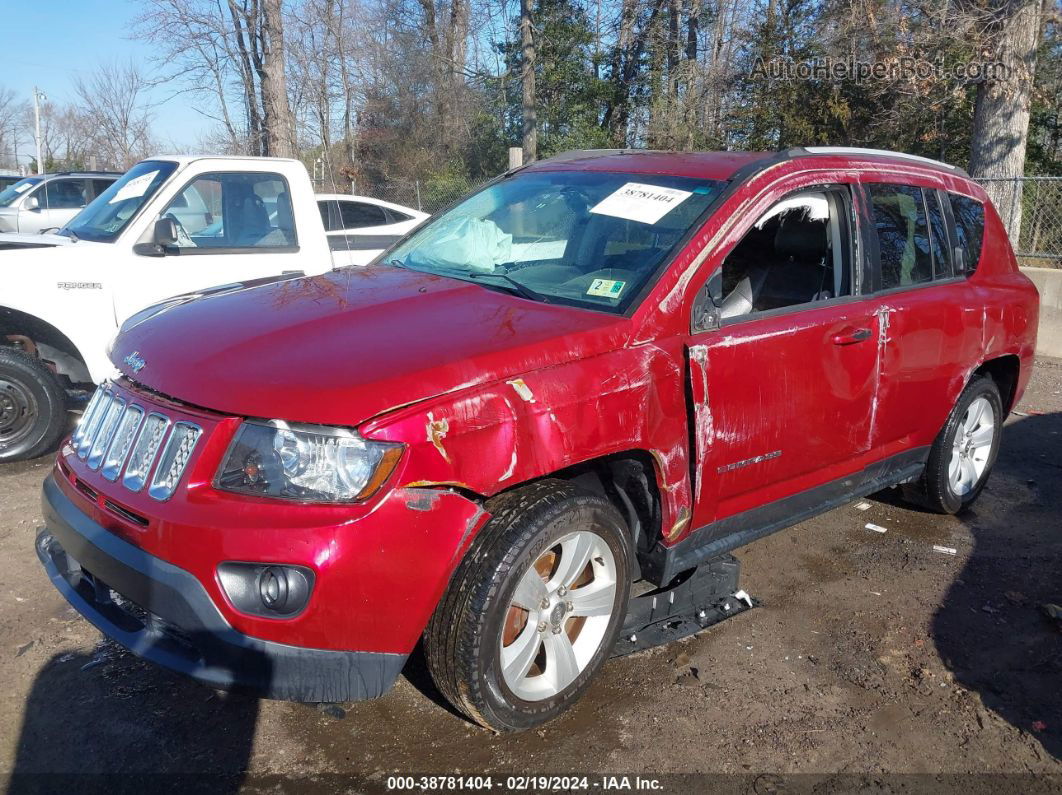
364 227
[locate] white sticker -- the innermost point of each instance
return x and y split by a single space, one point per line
133 188
24 187
644 203
606 288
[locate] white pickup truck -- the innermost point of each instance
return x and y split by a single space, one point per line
169 226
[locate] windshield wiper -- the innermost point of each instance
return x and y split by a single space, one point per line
519 287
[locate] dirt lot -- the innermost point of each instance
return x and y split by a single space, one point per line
872 654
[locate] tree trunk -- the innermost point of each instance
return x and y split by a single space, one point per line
527 82
617 112
457 55
1001 114
245 27
277 120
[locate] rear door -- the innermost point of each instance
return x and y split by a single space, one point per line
784 389
932 317
364 230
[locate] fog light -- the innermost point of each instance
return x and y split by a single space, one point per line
273 589
266 590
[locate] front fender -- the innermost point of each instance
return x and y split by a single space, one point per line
491 437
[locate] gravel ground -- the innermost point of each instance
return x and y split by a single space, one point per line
872 654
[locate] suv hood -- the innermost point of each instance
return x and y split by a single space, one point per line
341 348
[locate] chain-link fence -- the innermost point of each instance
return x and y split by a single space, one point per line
1039 200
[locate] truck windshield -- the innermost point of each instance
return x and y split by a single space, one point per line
582 238
107 215
12 192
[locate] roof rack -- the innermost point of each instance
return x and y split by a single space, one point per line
856 150
580 154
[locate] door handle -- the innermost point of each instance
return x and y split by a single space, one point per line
850 336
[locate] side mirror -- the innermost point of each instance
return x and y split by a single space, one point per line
705 316
32 203
165 233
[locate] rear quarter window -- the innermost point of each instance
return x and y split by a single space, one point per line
969 230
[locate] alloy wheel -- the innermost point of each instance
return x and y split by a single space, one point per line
972 447
558 616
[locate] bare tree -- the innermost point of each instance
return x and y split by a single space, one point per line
197 55
13 112
114 98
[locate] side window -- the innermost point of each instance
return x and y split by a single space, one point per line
941 249
358 214
233 211
903 235
796 253
395 217
100 185
969 230
64 194
326 217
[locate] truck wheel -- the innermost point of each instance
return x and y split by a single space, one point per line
964 452
32 407
533 610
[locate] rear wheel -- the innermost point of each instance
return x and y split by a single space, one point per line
964 452
534 609
32 407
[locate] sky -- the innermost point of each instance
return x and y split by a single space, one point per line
47 43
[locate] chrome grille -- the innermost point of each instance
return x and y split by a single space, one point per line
147 447
94 422
124 440
174 459
110 420
86 418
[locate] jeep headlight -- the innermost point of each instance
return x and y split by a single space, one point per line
314 463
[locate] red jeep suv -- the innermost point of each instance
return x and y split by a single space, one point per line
531 432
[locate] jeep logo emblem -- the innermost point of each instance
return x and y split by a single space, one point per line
136 361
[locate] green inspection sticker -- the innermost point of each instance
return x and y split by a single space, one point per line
606 288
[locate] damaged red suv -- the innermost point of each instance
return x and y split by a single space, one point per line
532 431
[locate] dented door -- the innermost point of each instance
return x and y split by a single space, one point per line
781 404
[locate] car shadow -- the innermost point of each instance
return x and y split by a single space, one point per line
991 629
417 674
100 722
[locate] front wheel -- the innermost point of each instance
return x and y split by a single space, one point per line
32 407
534 609
964 452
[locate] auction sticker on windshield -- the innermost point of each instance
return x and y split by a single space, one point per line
133 188
606 288
646 204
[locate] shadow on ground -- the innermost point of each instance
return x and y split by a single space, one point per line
127 719
990 629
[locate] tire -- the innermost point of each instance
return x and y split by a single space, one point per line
550 523
960 461
32 407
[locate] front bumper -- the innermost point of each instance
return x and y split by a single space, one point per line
164 614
